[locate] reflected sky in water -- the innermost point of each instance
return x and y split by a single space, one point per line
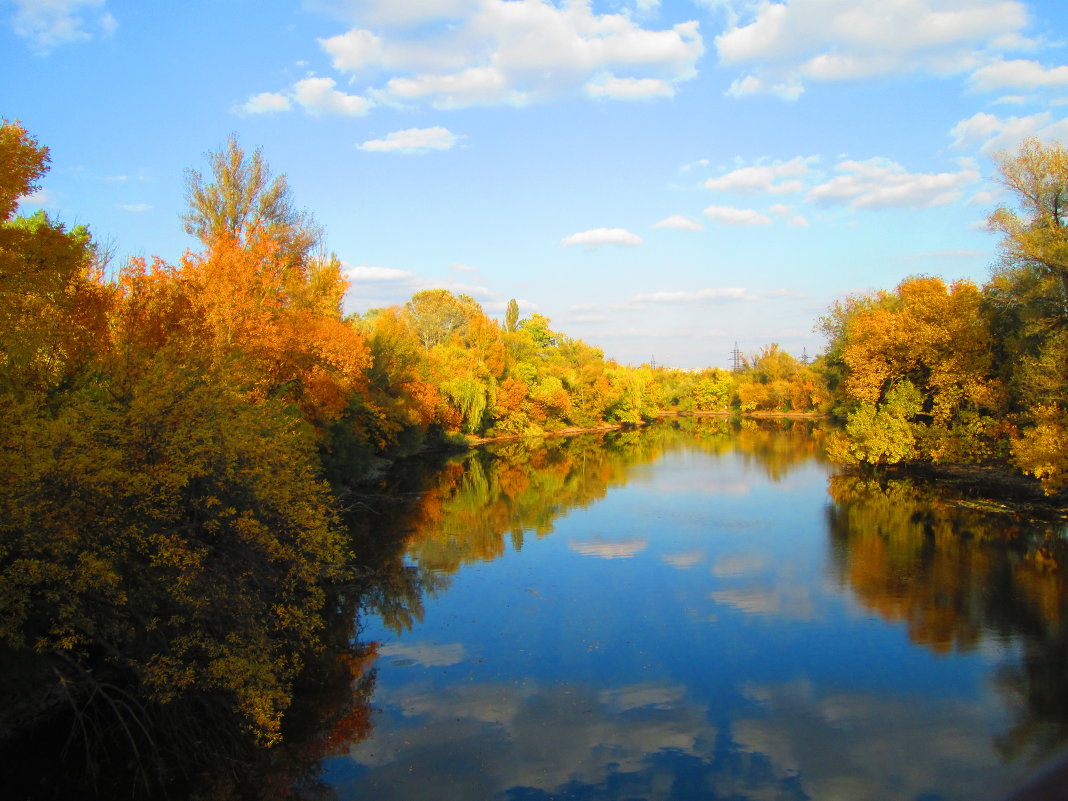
695 633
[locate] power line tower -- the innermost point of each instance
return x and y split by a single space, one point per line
804 356
736 359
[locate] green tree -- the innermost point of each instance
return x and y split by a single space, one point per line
1036 238
511 316
435 314
241 199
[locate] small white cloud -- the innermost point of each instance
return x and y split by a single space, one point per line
47 24
413 140
365 272
785 292
1017 74
135 207
602 236
680 222
728 215
693 296
42 198
1013 100
354 51
318 96
463 268
990 133
694 164
790 89
630 88
879 183
776 178
787 213
985 198
265 103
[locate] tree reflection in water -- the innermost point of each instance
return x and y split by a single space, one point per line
958 578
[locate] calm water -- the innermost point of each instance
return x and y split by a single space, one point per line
699 611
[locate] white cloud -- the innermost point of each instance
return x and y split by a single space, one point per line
135 207
366 272
694 164
315 95
630 88
1018 73
985 198
728 215
764 177
834 40
602 236
463 268
42 198
47 24
680 222
413 140
691 296
787 213
265 103
318 96
355 50
990 133
515 51
880 184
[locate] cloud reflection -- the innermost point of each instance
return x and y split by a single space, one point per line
424 653
480 741
653 741
609 549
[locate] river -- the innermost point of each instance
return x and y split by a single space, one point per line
702 610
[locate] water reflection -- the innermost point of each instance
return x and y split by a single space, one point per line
677 613
961 579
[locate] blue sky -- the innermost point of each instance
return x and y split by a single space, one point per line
660 179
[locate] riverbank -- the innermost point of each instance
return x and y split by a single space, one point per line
990 487
569 431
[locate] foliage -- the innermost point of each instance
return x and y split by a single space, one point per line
990 364
243 199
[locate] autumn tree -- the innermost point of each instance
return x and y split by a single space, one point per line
511 316
241 198
1035 238
919 375
1027 302
435 314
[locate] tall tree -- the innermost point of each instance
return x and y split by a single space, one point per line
1037 238
242 199
511 316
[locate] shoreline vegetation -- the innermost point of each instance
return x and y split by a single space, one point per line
179 439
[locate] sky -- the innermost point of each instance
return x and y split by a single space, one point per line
660 178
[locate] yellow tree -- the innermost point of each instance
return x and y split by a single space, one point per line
1028 301
920 358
